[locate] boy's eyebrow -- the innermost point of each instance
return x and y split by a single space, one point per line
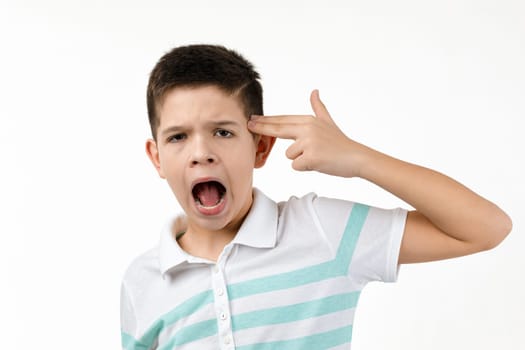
172 129
223 123
215 123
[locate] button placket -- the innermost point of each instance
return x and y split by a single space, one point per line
221 303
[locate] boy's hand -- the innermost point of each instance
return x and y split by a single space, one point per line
319 144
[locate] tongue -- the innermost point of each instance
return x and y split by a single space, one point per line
208 194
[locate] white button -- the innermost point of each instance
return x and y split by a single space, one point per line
220 291
227 340
215 269
223 316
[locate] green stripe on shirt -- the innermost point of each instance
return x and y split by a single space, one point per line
296 312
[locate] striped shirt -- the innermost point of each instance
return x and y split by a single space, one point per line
290 279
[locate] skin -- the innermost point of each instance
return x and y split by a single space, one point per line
449 219
203 136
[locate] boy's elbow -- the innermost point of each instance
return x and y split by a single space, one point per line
501 227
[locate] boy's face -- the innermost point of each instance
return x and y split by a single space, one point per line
207 155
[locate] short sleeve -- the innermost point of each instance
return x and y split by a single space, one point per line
369 236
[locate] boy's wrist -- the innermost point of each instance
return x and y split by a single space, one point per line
369 163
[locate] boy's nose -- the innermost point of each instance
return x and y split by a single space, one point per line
202 154
203 159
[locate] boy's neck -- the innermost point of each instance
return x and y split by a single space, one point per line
206 244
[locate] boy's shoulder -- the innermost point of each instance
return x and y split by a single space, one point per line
139 267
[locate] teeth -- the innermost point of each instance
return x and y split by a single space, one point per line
213 206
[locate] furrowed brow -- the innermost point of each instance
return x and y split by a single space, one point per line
222 123
172 130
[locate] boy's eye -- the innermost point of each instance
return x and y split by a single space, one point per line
223 133
176 138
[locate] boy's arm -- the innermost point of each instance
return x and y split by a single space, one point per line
449 221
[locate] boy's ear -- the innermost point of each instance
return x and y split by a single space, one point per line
264 146
153 154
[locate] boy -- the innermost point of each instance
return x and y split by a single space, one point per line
239 271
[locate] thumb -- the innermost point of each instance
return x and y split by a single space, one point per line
318 107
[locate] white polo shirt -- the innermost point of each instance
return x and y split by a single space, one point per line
290 279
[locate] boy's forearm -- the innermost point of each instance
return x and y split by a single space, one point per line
450 206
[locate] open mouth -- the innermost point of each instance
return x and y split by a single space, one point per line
208 194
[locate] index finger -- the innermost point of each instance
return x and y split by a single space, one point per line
281 126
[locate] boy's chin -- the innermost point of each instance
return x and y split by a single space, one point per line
226 221
210 224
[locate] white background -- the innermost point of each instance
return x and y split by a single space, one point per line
438 83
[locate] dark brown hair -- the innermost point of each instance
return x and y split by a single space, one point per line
199 65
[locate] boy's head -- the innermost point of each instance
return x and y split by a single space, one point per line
201 65
199 100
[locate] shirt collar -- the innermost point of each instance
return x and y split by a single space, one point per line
170 253
259 230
